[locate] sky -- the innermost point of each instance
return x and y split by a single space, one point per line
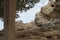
30 14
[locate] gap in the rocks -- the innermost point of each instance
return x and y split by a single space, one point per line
29 16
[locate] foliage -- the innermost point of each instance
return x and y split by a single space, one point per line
21 5
25 4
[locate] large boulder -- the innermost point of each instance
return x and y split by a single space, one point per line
49 14
49 7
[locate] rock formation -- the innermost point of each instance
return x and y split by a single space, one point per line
46 25
49 14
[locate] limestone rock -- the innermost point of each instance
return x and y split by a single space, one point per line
41 19
49 7
43 16
49 14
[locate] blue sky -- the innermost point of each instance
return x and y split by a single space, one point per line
1 25
30 14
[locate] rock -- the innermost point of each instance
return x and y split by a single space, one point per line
43 38
52 33
41 19
43 16
46 25
49 7
49 14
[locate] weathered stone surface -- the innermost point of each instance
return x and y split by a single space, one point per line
47 23
49 7
41 19
49 15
